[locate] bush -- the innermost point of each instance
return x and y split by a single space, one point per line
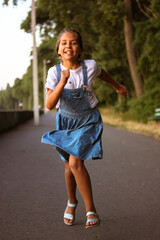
142 108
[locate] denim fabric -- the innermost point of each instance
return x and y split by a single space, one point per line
74 100
78 127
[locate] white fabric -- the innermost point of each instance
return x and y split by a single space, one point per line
76 79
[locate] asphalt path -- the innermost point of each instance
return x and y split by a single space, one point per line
126 186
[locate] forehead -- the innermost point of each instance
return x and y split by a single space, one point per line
68 36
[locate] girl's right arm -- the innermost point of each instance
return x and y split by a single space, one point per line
53 96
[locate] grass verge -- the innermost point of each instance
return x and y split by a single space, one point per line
112 118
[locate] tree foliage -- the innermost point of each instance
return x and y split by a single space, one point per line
101 24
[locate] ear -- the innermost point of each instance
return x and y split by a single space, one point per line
58 52
59 56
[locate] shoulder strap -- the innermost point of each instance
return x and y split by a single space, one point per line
84 68
58 68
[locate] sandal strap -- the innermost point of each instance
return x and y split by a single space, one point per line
71 204
68 216
92 220
91 213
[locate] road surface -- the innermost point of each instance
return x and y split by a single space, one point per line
126 186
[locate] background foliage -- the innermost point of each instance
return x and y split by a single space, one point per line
101 24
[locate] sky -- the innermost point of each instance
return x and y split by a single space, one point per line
15 44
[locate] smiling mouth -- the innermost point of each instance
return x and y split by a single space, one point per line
68 52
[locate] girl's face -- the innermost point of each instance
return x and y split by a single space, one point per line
69 47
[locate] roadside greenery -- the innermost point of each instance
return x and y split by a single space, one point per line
109 29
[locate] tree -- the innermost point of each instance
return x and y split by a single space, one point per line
5 2
147 38
17 92
122 36
7 101
131 51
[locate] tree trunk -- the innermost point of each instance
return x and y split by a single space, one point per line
131 52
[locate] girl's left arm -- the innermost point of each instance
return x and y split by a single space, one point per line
120 89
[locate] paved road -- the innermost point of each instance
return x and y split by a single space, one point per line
126 186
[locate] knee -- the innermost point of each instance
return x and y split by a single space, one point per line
75 164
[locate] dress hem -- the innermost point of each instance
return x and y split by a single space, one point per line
70 153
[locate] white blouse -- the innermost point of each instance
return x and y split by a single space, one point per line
76 79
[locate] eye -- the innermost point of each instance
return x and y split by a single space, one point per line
74 43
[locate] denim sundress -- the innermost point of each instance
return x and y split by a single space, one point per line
78 126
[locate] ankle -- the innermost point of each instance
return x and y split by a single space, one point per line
91 210
72 200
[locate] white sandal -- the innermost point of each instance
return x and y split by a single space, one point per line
92 220
68 215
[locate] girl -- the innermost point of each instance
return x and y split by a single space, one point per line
79 124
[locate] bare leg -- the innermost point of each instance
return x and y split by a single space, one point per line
70 183
84 184
71 189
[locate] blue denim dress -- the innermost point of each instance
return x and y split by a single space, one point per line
78 126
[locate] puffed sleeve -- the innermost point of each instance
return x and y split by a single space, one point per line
93 70
97 69
52 80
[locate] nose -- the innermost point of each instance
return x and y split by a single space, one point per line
69 44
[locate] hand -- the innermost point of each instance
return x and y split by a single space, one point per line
122 90
64 76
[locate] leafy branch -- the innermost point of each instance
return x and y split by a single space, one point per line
146 11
